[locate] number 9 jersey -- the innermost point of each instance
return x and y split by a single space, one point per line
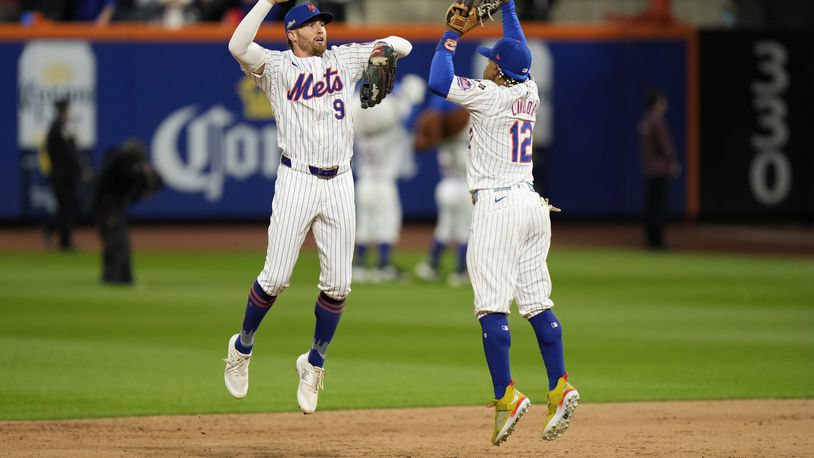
311 99
500 133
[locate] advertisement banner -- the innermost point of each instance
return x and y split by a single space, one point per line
756 141
213 138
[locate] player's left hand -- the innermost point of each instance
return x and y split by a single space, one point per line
379 75
463 15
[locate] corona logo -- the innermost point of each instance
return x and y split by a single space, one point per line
199 152
255 103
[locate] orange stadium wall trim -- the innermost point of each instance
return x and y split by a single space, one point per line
592 78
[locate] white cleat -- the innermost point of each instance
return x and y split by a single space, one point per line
426 272
456 279
310 383
236 374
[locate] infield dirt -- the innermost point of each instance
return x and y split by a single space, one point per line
777 428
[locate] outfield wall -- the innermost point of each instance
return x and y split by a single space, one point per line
213 138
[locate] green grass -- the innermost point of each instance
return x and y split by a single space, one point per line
638 326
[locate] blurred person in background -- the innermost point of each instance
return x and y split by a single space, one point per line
55 10
383 155
68 170
535 10
126 177
99 12
445 125
9 10
659 165
172 14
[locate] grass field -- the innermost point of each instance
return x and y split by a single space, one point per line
638 326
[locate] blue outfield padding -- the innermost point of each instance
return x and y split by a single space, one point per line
211 135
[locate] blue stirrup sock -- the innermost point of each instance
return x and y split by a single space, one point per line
461 268
549 338
496 343
361 256
435 253
257 306
385 250
328 312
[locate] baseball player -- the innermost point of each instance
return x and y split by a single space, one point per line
383 150
446 125
309 88
511 229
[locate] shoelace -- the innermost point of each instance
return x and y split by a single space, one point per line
317 377
237 366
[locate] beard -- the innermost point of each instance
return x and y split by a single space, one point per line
318 48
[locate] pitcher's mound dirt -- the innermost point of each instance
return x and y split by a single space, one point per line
774 428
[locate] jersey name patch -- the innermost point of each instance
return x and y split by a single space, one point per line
305 88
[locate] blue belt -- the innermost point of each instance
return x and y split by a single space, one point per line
325 173
475 194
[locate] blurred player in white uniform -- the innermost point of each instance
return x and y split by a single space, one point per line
384 153
511 225
310 89
445 125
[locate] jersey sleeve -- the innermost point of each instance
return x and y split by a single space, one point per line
474 95
273 62
354 57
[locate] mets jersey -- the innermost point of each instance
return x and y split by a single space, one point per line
500 134
311 98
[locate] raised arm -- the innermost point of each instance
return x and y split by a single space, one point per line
442 71
400 45
251 55
511 25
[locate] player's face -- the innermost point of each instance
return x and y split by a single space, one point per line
490 72
311 39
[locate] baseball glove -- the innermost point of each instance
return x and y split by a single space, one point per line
464 15
379 75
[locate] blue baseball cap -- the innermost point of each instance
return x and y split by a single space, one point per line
512 56
301 14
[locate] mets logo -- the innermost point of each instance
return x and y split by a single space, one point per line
306 88
465 83
311 7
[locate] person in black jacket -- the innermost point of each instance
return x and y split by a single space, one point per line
126 176
66 173
660 166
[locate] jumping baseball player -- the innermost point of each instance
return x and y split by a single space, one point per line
511 227
309 88
446 125
383 151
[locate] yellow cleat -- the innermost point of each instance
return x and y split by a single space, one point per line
562 401
508 411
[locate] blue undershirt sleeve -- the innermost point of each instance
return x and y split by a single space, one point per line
511 25
442 70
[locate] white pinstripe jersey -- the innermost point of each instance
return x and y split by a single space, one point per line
311 98
501 128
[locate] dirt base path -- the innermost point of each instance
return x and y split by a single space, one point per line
782 240
777 428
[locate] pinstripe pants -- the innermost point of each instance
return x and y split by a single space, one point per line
508 246
304 202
